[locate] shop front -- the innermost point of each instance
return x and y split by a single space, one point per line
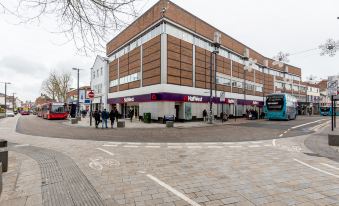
184 107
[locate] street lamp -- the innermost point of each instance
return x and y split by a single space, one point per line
5 96
78 105
13 103
216 46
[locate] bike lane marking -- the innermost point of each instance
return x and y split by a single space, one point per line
301 125
330 166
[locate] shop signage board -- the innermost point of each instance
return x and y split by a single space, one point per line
336 97
332 87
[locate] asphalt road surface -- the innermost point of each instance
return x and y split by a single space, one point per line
250 131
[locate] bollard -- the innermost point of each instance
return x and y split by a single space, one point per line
121 124
3 143
4 160
0 179
169 124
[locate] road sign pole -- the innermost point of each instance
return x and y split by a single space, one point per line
332 117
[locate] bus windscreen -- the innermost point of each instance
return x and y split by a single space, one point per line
275 102
58 109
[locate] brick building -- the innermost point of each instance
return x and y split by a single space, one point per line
161 64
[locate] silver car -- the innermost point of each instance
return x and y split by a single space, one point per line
10 114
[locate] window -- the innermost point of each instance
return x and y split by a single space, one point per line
93 74
258 89
113 83
295 88
223 81
97 72
101 71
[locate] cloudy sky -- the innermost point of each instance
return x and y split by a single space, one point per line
29 52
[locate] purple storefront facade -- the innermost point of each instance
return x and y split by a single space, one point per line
183 106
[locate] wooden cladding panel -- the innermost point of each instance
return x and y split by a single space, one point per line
151 62
179 62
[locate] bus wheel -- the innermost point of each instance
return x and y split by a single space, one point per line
288 118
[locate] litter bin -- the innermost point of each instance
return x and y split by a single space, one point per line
147 117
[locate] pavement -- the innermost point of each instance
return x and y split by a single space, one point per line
55 171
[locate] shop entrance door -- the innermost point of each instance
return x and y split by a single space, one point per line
177 112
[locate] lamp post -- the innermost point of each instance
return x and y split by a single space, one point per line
216 46
78 109
5 95
13 103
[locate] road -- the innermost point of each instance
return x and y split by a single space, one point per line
80 168
255 130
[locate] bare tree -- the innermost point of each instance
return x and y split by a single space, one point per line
85 22
57 85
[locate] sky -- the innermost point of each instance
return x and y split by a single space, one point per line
28 52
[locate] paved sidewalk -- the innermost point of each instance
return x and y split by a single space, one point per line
22 182
85 122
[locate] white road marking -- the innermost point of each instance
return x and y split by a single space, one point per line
281 135
108 152
174 146
214 146
273 142
235 146
94 164
174 191
191 143
194 147
285 132
295 127
254 145
131 146
133 143
21 145
115 142
267 145
330 166
150 143
315 168
109 145
228 143
209 143
152 146
256 142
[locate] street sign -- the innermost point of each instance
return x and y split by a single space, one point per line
91 95
222 97
332 87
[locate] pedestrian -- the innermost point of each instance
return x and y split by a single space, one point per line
131 114
204 115
116 115
96 116
112 117
104 117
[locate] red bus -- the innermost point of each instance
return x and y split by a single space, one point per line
54 111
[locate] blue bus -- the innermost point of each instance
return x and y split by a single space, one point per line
327 111
281 106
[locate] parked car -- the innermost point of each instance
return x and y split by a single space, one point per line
10 113
24 112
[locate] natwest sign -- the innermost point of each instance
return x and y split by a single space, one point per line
128 99
192 99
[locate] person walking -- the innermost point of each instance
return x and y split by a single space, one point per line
116 115
96 116
112 117
204 115
131 114
104 116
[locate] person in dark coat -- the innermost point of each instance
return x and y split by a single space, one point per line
104 116
112 117
131 114
116 114
96 116
204 115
